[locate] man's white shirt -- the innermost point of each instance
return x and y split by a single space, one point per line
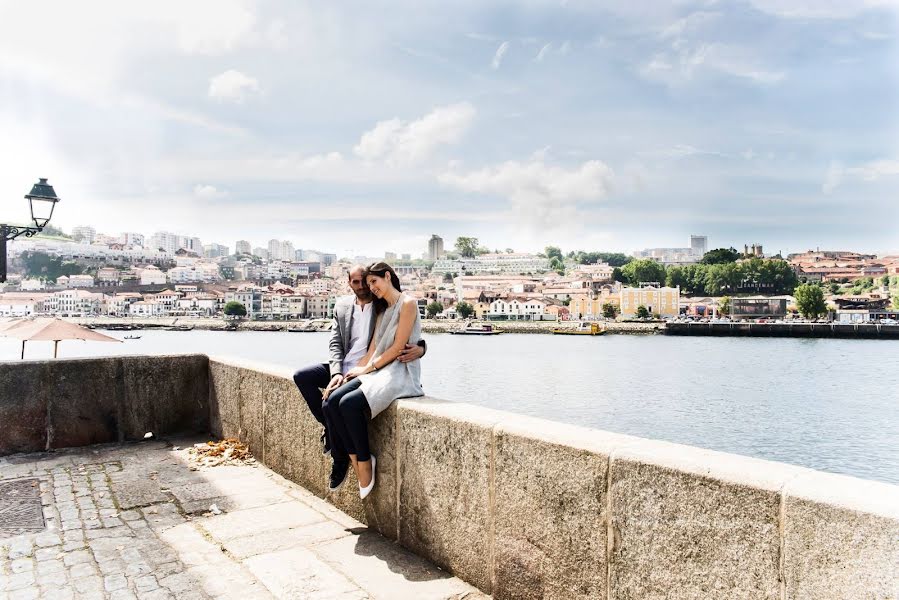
358 335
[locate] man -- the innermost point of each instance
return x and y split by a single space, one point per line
351 334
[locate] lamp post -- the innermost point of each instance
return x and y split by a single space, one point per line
42 200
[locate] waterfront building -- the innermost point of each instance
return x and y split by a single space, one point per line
118 305
147 308
84 234
435 247
661 302
758 307
18 304
77 303
864 309
243 247
517 309
317 306
32 285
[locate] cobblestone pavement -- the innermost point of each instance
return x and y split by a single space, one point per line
134 521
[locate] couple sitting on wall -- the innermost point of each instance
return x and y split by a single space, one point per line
374 359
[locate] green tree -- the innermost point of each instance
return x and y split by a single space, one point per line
895 301
810 300
464 309
609 310
556 264
834 287
467 246
40 265
434 308
235 309
553 251
644 270
618 275
642 312
886 281
447 277
720 256
724 305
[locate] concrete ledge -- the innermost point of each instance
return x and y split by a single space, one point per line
520 507
78 402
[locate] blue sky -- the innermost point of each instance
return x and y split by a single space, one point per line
366 127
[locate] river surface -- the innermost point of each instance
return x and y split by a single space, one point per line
826 404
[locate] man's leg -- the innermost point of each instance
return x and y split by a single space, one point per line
341 442
311 380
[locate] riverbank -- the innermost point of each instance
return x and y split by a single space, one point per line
797 330
313 325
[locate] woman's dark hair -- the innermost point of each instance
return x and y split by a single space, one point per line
382 269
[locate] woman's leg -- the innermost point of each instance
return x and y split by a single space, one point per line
355 415
341 442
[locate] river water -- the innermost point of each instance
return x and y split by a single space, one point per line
826 404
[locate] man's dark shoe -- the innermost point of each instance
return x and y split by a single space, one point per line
339 472
326 447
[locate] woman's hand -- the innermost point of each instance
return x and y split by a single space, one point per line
356 372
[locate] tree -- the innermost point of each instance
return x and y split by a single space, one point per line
810 300
720 256
724 305
235 309
618 275
39 265
464 310
834 287
895 301
886 281
644 270
447 277
609 310
434 308
642 312
556 264
467 247
553 251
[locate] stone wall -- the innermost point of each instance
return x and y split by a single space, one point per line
527 508
520 507
61 403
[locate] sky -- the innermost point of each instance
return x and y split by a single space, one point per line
360 128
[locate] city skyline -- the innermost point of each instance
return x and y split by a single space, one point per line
362 131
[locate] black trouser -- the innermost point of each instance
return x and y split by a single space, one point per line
312 380
347 414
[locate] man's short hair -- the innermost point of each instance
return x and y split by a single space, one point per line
353 269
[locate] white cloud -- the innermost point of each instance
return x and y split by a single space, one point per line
208 192
681 64
397 142
500 53
870 171
820 9
538 193
233 86
543 52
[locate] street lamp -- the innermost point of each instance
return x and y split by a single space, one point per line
42 200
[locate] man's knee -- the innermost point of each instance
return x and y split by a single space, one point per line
354 401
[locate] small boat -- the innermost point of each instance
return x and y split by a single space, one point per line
132 337
582 328
180 328
476 329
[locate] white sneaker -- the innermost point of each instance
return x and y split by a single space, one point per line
365 491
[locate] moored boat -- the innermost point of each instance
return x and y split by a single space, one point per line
476 329
583 328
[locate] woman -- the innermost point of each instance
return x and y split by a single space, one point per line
375 382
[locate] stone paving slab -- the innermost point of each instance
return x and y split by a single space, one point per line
133 521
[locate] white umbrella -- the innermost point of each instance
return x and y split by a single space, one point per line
51 330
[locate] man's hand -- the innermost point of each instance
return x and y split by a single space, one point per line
356 372
335 383
411 352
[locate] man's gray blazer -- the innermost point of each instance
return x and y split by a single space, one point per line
340 333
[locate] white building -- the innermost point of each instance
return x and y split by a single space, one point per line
165 241
21 305
514 263
517 310
435 247
151 275
84 234
77 303
81 281
206 272
31 285
215 250
147 308
243 247
133 239
118 305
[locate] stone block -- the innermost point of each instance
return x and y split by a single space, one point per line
84 402
445 467
692 523
253 394
841 538
290 432
550 509
224 399
164 394
23 407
